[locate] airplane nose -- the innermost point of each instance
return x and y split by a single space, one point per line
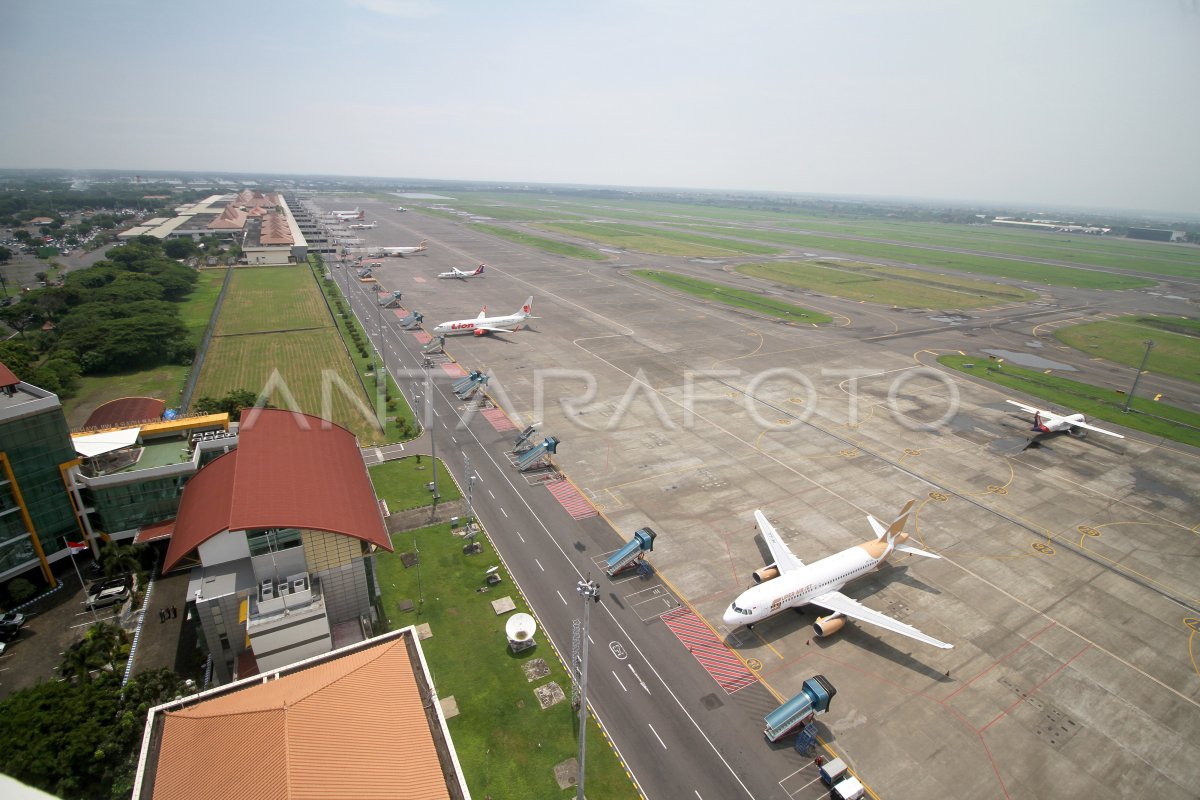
729 618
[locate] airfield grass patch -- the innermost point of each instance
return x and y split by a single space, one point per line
402 483
507 745
309 367
657 241
197 309
1094 402
272 299
542 243
1123 340
163 382
896 286
730 296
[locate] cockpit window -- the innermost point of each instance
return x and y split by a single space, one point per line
743 611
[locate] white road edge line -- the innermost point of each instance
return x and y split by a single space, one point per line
618 677
656 736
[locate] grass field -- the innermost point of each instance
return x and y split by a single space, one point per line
402 483
542 243
894 286
1147 416
197 309
1123 340
272 299
507 745
739 298
944 260
165 383
658 242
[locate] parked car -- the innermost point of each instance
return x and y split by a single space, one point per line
109 592
10 625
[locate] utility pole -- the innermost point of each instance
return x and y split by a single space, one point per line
82 585
470 483
1145 357
432 435
589 590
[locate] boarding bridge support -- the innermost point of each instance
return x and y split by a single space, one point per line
523 441
365 272
411 321
390 300
797 712
437 345
537 456
632 553
468 386
465 382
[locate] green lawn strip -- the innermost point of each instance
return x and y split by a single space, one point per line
271 299
730 296
1183 325
507 745
1123 340
941 259
542 243
401 423
402 483
657 241
164 382
894 286
196 309
1147 416
514 213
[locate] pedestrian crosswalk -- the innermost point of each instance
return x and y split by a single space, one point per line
569 497
454 370
422 337
729 671
499 419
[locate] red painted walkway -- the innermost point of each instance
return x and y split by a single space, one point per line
569 497
726 668
499 419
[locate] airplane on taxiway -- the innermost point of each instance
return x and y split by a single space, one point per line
362 226
462 273
399 252
357 213
1046 423
484 324
788 582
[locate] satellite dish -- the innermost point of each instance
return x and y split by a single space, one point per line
492 570
520 627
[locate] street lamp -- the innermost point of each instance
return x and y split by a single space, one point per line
588 590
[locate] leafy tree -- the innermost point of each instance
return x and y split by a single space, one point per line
23 236
180 247
5 255
20 589
120 559
231 404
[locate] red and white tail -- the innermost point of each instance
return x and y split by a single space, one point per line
479 270
527 309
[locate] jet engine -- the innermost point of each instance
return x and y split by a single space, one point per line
1080 432
765 574
480 332
827 626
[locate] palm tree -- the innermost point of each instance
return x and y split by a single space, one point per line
119 559
79 661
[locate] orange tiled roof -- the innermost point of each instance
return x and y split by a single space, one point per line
231 218
275 230
352 727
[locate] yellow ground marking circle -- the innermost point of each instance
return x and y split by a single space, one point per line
1088 530
783 422
993 489
1192 623
796 400
908 451
939 496
848 453
754 664
1043 548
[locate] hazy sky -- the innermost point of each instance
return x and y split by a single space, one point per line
1081 102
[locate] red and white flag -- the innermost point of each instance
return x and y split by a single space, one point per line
76 547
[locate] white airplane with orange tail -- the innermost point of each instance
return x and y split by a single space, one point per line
1046 422
463 274
788 582
399 252
484 324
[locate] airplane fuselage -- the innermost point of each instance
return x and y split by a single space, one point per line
479 326
799 587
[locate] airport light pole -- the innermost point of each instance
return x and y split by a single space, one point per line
589 590
1145 357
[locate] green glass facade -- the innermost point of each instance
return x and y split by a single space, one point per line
132 505
35 446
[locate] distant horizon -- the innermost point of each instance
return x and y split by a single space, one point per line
937 202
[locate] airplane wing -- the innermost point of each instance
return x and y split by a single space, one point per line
493 329
1094 428
1031 409
836 601
785 560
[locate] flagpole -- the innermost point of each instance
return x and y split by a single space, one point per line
82 585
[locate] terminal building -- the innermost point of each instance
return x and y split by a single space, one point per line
262 224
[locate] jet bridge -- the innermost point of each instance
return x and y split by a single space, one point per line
412 320
391 300
467 386
538 456
365 272
434 346
523 441
632 554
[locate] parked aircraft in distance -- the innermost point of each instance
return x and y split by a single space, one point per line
357 213
362 226
484 324
462 273
788 582
399 252
1046 423
399 208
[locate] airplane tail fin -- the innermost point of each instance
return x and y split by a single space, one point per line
894 533
527 309
482 313
479 270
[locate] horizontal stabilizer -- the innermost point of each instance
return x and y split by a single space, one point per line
916 551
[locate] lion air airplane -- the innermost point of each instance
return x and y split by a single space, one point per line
362 226
462 273
789 582
399 252
357 213
1044 422
482 324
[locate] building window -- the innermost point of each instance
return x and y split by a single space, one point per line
273 540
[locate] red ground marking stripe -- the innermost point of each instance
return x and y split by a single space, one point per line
569 498
725 667
422 336
498 419
400 312
418 279
454 370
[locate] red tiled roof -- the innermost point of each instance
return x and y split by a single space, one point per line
152 533
7 376
125 410
289 470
